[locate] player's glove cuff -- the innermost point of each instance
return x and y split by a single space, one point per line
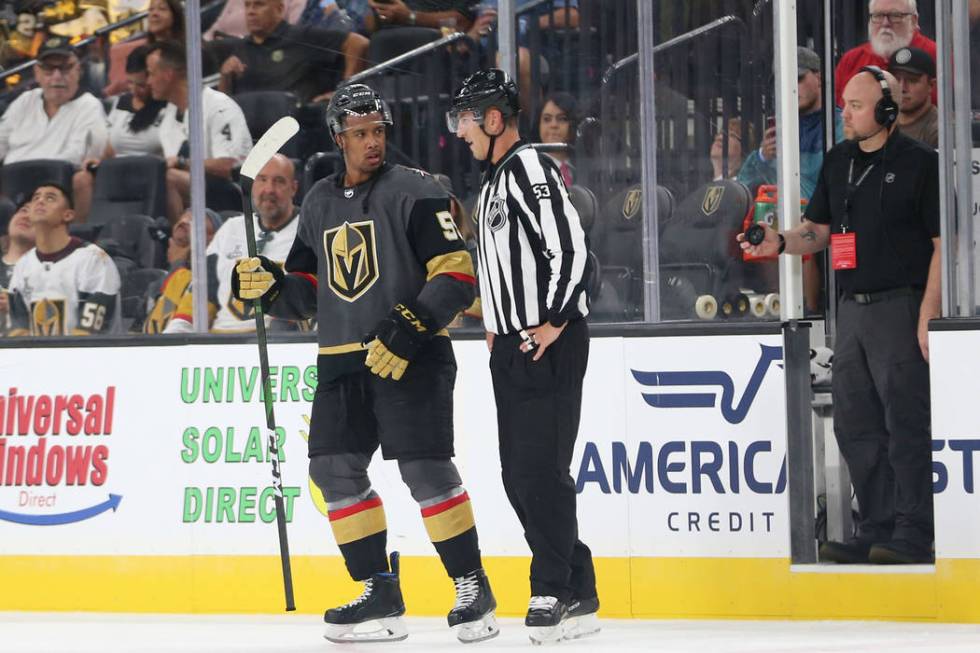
396 340
256 278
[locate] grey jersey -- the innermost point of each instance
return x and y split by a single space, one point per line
359 251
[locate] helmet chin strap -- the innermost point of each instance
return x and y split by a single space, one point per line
493 141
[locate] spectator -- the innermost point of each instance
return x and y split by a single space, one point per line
275 229
20 240
276 56
164 22
892 25
726 169
436 14
226 137
556 125
64 286
134 129
54 121
167 298
917 116
346 15
233 20
760 165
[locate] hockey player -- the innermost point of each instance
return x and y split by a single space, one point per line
378 260
275 225
64 286
533 264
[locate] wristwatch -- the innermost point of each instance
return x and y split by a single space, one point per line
411 18
782 243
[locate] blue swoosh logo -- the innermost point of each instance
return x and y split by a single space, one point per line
64 517
733 414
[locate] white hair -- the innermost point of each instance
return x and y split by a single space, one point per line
913 7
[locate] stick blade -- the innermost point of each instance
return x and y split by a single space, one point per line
270 143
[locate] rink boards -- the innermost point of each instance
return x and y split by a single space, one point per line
136 479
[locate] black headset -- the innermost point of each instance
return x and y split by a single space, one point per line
886 111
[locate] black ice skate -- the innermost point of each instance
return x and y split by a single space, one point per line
545 619
374 616
582 619
472 617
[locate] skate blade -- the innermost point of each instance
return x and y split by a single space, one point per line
579 627
478 631
546 634
389 629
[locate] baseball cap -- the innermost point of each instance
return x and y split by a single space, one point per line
806 60
55 45
913 60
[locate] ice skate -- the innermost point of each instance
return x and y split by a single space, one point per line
582 619
545 619
472 617
374 616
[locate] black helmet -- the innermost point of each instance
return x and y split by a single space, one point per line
355 100
482 90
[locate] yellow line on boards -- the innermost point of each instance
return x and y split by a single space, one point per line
669 588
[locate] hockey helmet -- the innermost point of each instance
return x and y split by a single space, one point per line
481 91
355 100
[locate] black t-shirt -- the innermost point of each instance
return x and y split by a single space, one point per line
464 7
894 211
306 61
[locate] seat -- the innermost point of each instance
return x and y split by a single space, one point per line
21 178
585 204
222 194
133 238
263 108
408 79
136 288
319 166
129 185
619 233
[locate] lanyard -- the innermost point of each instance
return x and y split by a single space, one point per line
852 187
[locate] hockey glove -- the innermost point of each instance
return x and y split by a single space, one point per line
395 341
255 278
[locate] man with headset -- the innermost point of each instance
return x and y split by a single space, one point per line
876 205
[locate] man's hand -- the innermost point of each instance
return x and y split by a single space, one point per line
490 341
768 148
768 247
923 331
543 336
171 162
395 341
395 12
253 278
233 67
4 302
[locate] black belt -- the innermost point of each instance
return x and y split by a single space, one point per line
882 295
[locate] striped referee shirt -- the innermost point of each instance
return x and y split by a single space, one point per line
532 252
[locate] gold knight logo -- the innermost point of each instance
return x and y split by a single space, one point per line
631 204
48 317
352 251
712 199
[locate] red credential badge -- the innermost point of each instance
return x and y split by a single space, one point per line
843 251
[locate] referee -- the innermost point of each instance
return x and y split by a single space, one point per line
532 271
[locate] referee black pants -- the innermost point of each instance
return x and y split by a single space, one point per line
538 409
882 418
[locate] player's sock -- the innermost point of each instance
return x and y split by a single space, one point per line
449 521
361 532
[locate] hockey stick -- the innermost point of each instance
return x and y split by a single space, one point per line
270 143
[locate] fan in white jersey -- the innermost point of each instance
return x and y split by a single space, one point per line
134 129
226 137
63 286
275 229
54 121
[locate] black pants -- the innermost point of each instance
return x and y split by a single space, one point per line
538 409
882 419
